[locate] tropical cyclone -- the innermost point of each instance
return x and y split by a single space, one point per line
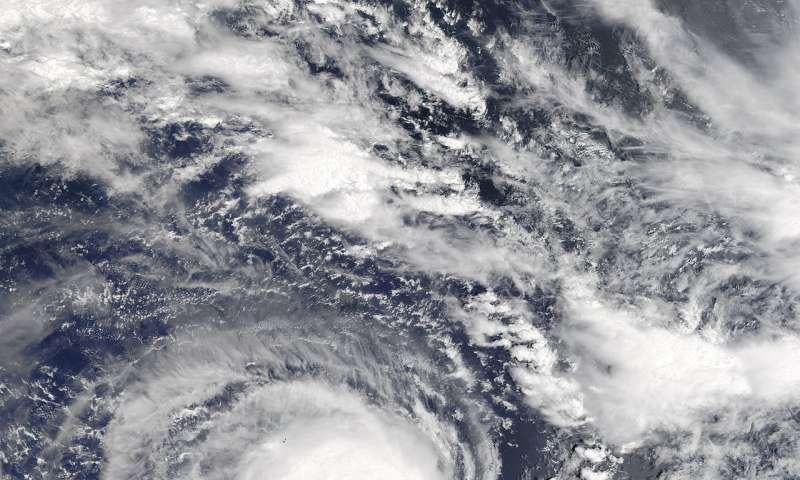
434 240
284 402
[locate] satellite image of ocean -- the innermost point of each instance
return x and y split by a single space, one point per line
399 239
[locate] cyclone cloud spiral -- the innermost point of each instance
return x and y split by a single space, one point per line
399 240
284 404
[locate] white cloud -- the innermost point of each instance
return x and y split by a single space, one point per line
639 377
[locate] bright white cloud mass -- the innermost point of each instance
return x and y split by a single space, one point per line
403 240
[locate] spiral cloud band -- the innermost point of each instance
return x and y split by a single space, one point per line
274 405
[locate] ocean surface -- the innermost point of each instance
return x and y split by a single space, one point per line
399 240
